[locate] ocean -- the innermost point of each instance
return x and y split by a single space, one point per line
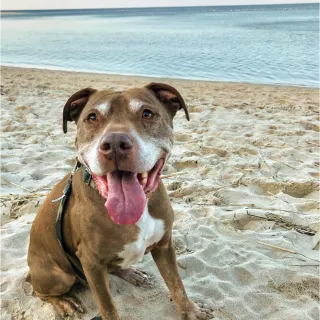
269 44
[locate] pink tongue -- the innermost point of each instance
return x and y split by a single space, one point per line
126 199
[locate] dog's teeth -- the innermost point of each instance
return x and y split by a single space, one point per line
144 179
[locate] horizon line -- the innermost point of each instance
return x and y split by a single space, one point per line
159 7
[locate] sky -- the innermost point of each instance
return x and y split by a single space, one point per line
73 4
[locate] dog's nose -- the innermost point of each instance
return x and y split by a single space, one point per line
118 143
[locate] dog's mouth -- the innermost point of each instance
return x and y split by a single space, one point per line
126 192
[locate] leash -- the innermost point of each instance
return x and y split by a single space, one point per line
75 262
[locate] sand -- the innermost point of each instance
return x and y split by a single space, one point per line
246 202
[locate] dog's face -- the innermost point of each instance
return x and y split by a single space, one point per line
124 138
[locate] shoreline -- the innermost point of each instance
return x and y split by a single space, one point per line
263 5
148 77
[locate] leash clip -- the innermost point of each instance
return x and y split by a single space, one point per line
61 197
68 186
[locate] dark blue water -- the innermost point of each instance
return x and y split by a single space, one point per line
276 44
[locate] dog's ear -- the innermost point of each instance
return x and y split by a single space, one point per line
168 96
75 105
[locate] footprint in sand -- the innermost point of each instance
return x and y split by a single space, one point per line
182 137
310 126
186 164
175 185
211 150
293 188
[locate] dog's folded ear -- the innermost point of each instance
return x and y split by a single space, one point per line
75 105
168 96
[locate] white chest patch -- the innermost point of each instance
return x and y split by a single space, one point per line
151 231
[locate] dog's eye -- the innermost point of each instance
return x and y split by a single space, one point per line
147 114
92 117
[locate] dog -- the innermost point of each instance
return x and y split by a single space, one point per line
121 211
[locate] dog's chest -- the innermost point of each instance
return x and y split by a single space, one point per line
151 230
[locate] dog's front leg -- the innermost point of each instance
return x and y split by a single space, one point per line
98 282
165 258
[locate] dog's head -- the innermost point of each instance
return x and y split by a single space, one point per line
124 138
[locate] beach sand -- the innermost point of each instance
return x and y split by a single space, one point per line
248 190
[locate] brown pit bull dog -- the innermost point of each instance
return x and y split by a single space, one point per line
123 141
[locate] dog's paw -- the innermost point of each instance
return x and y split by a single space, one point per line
66 305
197 312
134 276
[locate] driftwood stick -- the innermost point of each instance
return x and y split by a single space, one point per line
165 176
285 223
276 247
15 184
286 250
